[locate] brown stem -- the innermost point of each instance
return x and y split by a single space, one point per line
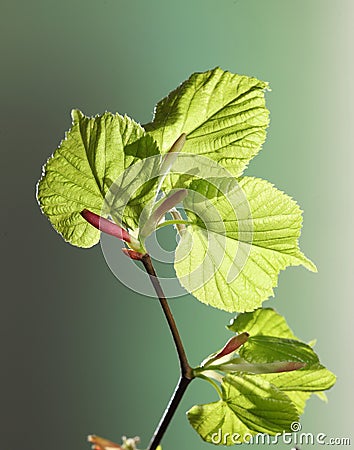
169 412
186 370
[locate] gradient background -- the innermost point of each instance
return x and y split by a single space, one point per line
82 354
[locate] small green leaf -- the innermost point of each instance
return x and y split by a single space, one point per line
94 153
223 115
299 385
279 359
268 349
311 378
262 321
231 256
249 405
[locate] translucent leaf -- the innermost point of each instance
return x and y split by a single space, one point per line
299 399
263 321
249 405
299 385
268 349
223 115
311 378
94 153
231 255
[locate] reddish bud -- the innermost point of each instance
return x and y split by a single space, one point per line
132 254
233 344
290 366
105 225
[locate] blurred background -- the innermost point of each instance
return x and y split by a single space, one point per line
80 353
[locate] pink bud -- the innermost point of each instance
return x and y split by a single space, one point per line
232 345
105 225
289 366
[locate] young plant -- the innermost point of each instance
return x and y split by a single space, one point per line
236 234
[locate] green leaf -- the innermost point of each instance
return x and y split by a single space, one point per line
214 421
262 358
262 322
299 399
249 405
268 349
223 115
94 153
231 256
300 384
311 378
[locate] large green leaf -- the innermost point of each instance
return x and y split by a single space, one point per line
231 254
262 322
249 405
223 115
94 153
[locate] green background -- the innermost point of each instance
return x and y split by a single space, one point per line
80 353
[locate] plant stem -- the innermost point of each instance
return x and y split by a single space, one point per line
173 222
169 412
186 371
177 216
